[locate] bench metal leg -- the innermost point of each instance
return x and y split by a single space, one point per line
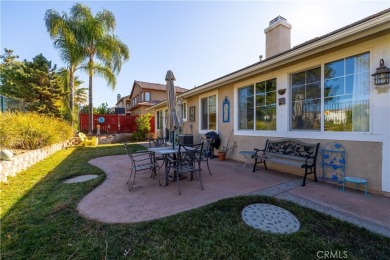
307 172
254 165
256 162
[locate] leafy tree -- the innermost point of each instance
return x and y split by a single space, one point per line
102 109
143 127
11 71
95 35
42 82
35 82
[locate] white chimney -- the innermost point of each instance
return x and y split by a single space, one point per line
277 37
118 97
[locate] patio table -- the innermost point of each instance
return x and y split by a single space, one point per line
165 152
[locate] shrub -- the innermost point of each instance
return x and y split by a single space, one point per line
32 131
143 127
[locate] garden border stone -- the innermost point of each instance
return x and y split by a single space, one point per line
27 159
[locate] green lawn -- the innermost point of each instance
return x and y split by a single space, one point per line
39 220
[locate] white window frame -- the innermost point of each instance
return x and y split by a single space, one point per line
208 94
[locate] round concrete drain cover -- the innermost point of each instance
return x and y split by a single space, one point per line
81 178
270 218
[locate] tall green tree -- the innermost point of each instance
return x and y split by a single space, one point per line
11 71
96 36
34 82
62 29
43 83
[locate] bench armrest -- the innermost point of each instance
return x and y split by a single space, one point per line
258 150
308 158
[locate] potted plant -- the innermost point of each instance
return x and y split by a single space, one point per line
222 153
224 149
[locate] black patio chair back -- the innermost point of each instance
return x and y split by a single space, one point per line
207 152
140 161
158 142
189 161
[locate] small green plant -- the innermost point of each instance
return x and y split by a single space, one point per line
143 127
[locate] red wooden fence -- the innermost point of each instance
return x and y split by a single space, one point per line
112 124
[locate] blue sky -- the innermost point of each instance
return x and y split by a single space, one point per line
199 41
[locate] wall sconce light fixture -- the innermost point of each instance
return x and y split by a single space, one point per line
281 91
381 77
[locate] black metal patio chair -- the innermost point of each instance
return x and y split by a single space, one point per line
141 161
158 142
206 151
188 160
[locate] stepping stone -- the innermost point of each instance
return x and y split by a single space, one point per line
270 218
81 178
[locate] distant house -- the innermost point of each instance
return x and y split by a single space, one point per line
320 91
123 104
144 95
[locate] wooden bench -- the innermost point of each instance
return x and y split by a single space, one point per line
290 152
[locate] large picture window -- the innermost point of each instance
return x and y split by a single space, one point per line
347 94
257 106
209 113
345 97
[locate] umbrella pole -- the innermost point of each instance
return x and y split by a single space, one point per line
173 139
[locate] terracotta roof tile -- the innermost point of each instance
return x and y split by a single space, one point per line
157 86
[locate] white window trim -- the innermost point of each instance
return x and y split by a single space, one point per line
208 94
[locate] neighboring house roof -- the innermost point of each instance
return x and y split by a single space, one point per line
157 86
154 86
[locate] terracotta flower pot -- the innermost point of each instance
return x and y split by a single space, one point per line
222 156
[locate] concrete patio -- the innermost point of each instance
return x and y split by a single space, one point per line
111 202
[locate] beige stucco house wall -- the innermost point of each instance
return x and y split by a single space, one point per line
367 153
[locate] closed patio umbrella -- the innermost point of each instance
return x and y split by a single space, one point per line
172 120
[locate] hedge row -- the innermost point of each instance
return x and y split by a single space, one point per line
31 131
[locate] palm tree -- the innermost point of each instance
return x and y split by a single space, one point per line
79 94
95 34
62 30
